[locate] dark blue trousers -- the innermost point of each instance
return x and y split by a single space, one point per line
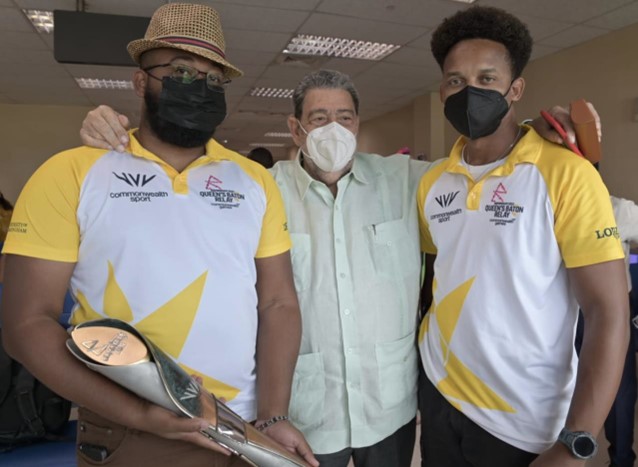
619 426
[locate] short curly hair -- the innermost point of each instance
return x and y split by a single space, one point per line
481 22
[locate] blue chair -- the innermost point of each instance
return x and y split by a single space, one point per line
59 453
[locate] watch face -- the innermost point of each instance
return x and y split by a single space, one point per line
584 446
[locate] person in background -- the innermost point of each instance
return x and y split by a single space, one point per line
519 233
179 236
262 156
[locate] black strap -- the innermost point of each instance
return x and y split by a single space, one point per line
24 384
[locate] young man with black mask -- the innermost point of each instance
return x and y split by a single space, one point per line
520 232
178 236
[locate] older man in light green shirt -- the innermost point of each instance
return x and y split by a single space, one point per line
356 268
356 265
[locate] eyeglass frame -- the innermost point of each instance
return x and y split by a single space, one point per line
210 74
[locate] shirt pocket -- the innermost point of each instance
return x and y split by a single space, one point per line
308 391
397 367
394 252
301 257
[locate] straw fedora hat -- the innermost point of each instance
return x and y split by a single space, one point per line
186 26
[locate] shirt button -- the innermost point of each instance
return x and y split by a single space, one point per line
342 275
346 311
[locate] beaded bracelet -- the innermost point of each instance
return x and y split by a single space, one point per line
271 421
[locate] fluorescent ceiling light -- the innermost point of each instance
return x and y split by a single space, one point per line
41 19
272 92
97 83
278 134
304 44
268 145
464 1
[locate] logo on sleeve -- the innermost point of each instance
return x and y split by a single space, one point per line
607 232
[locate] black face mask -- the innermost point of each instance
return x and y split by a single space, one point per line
476 112
185 115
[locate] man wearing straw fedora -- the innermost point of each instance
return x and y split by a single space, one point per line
178 236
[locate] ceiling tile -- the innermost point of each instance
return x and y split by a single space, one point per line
259 41
98 71
411 56
21 41
30 57
304 5
360 29
349 66
574 11
623 16
124 7
425 13
573 36
540 28
12 19
234 16
46 4
241 57
422 42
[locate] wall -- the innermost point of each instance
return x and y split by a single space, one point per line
605 72
30 134
387 134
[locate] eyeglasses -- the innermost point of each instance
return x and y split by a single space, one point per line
187 75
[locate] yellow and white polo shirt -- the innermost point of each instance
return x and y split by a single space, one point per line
498 341
171 253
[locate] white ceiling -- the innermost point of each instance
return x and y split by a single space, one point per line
256 32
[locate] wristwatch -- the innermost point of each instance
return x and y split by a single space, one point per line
581 443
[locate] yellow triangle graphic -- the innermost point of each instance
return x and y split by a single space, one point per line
449 310
177 315
219 389
115 302
463 385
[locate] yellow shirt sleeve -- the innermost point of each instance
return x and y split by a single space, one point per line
584 222
274 238
44 223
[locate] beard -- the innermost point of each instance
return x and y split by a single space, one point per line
170 132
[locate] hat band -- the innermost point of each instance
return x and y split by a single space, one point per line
195 42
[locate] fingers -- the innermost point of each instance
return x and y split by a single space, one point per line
599 128
103 128
190 430
544 129
562 115
89 140
303 449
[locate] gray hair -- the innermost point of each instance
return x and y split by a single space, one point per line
323 79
